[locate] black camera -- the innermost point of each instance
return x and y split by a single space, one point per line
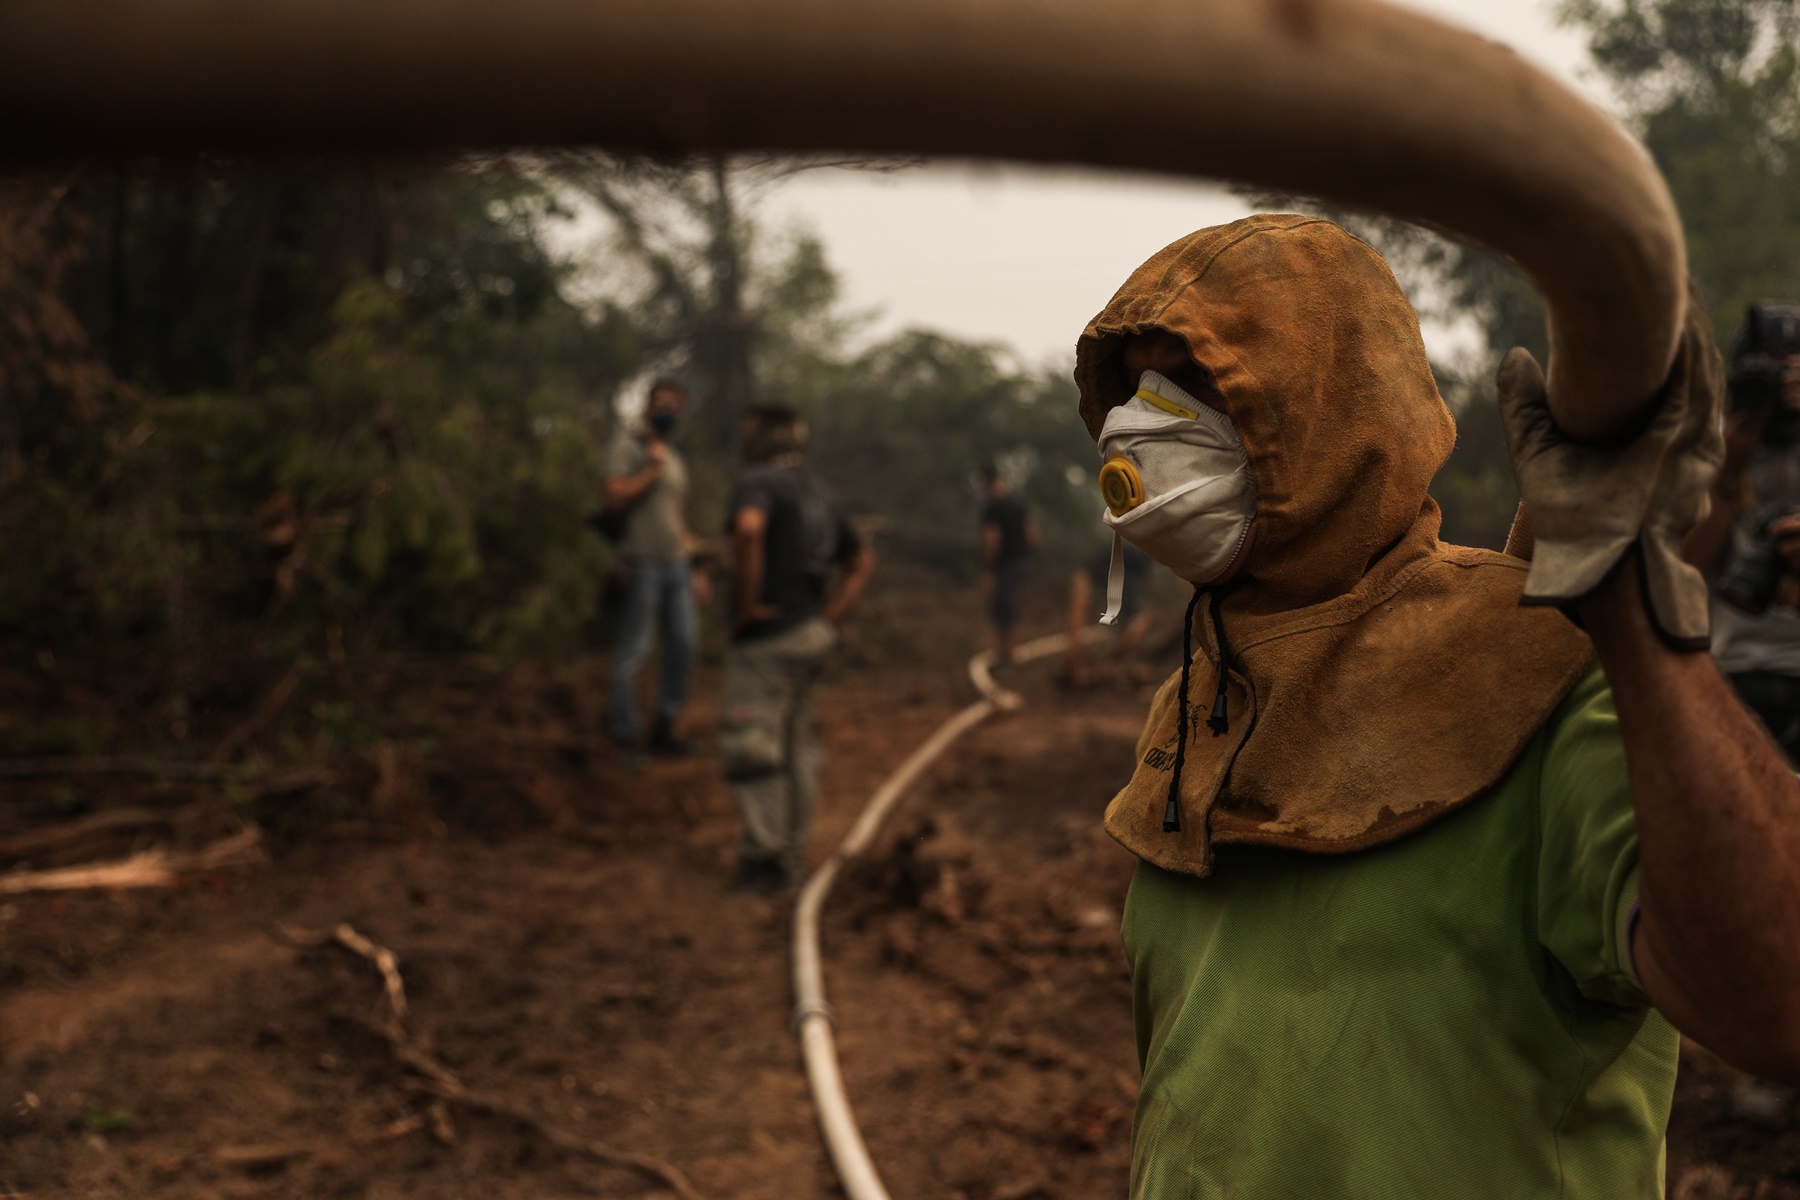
1750 578
1767 336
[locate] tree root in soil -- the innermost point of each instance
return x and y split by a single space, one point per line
441 1083
152 868
384 959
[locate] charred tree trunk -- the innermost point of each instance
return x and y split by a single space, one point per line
732 333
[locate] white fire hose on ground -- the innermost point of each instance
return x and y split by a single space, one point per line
813 1019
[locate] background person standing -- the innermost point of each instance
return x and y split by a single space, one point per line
647 481
1749 542
1008 536
788 538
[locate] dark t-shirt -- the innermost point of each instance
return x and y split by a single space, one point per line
1009 515
806 535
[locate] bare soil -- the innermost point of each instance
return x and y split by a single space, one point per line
569 942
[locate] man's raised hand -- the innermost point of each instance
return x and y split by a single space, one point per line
1589 504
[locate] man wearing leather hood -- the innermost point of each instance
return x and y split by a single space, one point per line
1429 875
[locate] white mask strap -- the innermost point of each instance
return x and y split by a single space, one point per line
1115 582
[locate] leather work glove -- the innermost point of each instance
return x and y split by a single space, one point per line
1589 504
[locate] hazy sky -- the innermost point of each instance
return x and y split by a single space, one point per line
1025 256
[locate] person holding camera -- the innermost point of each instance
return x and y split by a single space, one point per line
646 490
1749 542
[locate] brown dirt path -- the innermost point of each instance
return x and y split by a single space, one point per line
600 974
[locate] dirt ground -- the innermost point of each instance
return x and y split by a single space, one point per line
569 943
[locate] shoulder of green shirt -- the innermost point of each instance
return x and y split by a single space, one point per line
1588 852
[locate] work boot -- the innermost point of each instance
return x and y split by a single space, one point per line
664 743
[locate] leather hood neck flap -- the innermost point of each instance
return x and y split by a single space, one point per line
1380 678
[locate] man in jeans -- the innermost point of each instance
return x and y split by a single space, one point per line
647 479
788 538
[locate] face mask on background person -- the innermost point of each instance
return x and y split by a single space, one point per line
1177 486
663 422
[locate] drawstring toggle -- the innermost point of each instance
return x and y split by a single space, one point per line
1219 722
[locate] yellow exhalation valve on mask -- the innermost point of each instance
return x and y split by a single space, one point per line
1121 486
1176 484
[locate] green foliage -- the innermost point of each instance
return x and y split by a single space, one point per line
1475 488
414 465
902 429
1713 86
383 496
399 442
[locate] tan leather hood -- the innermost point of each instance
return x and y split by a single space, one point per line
1317 354
1380 678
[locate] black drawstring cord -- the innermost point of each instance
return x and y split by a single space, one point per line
1219 722
1172 810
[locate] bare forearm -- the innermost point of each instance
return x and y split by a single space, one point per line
852 586
623 489
747 575
1717 944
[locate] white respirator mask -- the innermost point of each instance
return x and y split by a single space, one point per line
1176 484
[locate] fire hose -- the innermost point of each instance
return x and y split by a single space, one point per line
813 1020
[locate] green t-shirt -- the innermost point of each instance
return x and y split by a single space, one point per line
1449 1015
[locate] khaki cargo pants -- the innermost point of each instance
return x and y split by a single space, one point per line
769 740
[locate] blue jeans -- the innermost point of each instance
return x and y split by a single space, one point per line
660 593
